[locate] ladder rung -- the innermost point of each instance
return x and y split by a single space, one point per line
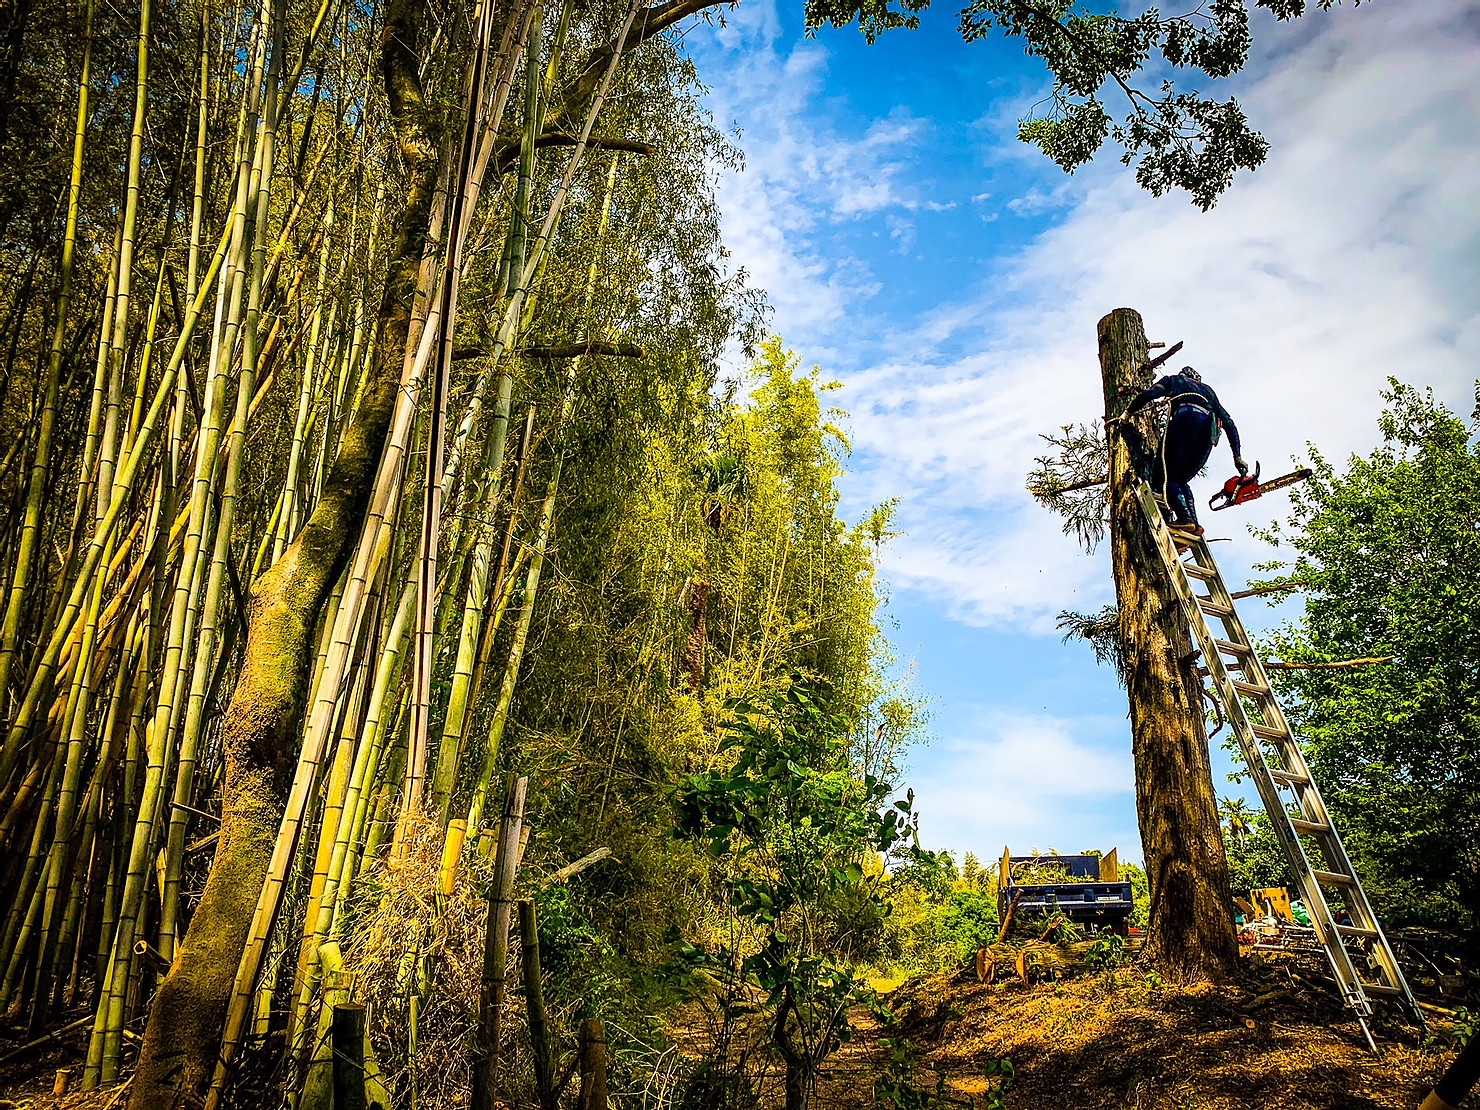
1202 574
1383 988
1308 826
1233 649
1249 688
1264 732
1358 931
1213 609
1289 778
1334 878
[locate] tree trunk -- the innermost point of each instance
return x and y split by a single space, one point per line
1191 934
260 732
796 1085
693 659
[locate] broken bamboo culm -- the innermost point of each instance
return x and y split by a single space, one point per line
592 1060
347 1034
496 948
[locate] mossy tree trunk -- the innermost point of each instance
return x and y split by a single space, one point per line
260 732
1191 935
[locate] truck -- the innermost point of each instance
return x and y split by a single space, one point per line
1087 889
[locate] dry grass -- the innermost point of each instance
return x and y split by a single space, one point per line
405 940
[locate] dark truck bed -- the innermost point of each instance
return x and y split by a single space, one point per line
1094 893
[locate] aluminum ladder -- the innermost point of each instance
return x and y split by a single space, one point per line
1362 961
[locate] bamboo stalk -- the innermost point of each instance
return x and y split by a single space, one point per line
62 630
30 537
119 338
542 1045
421 702
459 699
488 1034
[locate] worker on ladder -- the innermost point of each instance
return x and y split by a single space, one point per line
1192 430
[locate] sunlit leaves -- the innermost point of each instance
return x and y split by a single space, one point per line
1387 552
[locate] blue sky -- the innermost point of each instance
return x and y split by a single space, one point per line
951 278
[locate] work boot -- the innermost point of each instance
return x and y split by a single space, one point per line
1187 527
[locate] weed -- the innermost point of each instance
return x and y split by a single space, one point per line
898 1088
1466 1025
1106 953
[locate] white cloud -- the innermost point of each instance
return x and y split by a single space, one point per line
803 171
1350 256
1037 201
1016 776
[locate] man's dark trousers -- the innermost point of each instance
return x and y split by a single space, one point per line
1189 442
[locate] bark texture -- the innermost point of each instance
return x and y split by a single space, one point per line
260 733
693 657
1191 935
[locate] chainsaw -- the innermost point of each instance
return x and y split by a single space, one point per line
1240 489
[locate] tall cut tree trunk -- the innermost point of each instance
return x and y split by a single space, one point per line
1191 934
260 730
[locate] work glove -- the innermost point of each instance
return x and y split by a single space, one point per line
1242 467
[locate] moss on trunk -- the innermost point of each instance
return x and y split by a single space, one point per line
260 733
1191 934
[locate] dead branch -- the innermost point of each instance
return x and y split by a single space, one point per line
575 350
1340 665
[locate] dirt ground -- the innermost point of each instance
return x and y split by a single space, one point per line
1271 1041
27 1078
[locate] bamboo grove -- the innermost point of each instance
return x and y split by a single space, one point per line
362 448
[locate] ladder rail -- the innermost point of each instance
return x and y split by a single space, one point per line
1308 795
1275 730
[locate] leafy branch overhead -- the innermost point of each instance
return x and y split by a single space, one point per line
1176 137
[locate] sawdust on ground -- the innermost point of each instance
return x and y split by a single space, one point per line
1122 1040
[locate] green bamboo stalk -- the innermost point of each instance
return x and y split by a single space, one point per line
59 858
421 702
287 523
30 538
449 750
105 1046
260 173
25 909
61 633
118 341
516 656
202 123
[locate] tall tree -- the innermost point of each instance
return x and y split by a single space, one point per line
1387 555
1191 932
